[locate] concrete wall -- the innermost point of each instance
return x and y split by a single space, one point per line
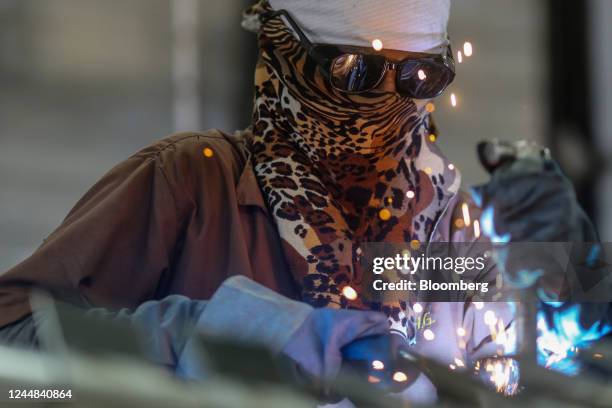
601 35
86 83
500 89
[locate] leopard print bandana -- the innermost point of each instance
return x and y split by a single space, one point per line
338 170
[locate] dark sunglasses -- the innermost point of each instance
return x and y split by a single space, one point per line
351 70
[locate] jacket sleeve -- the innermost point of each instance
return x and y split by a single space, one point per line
112 249
495 334
168 326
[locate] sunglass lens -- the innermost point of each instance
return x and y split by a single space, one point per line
355 72
424 79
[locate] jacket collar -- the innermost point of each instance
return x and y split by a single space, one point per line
248 191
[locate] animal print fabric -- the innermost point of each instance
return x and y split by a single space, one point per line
329 162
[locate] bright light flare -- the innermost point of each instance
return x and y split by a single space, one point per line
384 214
489 318
561 336
377 44
466 214
502 373
378 365
399 376
429 335
453 99
349 293
468 49
421 75
459 57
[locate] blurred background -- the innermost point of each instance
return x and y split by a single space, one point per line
86 83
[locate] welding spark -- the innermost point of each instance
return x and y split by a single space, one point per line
502 373
349 293
467 49
399 376
429 335
476 228
466 214
560 336
378 365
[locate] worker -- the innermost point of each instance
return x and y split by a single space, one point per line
341 151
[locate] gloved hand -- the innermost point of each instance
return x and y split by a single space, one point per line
316 346
377 359
530 200
245 311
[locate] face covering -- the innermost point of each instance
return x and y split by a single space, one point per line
338 170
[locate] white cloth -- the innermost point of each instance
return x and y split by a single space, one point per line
406 25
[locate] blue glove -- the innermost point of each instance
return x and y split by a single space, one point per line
530 200
243 310
317 345
377 359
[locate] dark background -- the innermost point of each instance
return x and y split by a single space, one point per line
85 83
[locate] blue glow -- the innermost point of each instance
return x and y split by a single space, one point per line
559 343
546 299
560 334
525 278
488 227
593 256
476 197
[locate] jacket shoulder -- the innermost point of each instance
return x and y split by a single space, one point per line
200 165
209 144
212 151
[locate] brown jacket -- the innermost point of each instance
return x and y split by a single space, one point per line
168 220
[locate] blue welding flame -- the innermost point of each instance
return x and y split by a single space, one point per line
561 336
560 333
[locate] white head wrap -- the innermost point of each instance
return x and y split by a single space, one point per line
407 25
